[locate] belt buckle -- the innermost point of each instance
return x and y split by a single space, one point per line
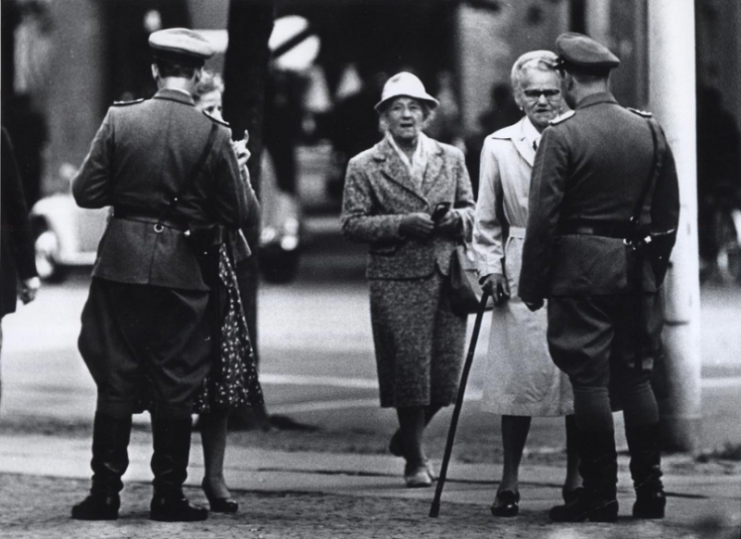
159 228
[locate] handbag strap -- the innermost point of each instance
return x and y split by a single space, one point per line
170 208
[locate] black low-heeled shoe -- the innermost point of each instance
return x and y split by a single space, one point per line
506 504
219 505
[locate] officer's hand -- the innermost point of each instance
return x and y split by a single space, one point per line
534 305
416 225
497 287
29 288
449 223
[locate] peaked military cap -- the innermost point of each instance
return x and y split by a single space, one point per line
180 45
582 54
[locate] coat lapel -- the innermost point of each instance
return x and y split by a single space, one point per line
394 169
523 147
434 167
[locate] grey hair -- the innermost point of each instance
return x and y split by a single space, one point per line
541 60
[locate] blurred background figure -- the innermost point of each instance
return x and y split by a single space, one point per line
446 124
28 130
504 112
352 125
17 260
719 188
522 381
391 193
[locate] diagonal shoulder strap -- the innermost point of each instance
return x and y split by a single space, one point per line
193 173
659 146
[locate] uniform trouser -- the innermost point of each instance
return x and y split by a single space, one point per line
130 330
607 346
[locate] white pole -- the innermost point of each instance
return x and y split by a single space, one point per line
671 52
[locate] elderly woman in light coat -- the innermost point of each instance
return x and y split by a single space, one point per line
522 380
391 193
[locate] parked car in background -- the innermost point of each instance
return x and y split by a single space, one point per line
67 236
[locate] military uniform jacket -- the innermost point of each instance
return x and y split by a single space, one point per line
379 191
141 156
591 168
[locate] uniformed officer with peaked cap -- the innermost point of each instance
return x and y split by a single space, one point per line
578 53
164 167
603 212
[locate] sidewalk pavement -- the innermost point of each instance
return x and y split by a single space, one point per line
323 495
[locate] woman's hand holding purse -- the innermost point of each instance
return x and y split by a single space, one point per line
449 224
416 225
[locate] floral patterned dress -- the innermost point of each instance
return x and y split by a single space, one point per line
232 382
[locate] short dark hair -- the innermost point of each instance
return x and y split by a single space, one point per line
169 68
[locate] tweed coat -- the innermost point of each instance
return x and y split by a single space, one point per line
379 191
142 154
520 377
591 168
418 339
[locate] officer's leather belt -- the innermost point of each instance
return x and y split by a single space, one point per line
586 228
135 214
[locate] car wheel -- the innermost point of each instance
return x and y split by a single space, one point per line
278 266
46 247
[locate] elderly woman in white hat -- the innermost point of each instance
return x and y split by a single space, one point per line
410 199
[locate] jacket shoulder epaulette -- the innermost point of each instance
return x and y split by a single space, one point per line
563 117
127 103
642 113
215 119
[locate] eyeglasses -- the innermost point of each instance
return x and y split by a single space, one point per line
535 94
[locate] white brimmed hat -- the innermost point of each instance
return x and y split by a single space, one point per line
406 85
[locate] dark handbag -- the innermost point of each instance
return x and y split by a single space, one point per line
464 290
204 238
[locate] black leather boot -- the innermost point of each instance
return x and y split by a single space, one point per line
110 460
170 467
597 501
645 469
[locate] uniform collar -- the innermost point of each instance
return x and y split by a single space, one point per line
595 99
179 96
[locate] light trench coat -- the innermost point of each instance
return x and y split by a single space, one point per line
521 378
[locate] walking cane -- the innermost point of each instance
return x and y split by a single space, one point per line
435 508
